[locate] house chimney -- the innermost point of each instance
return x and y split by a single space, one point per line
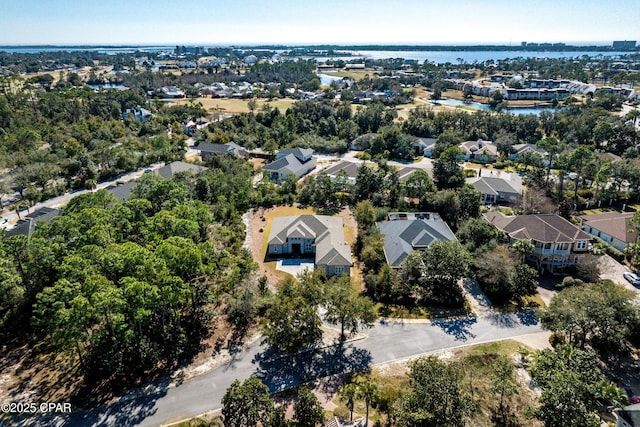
479 142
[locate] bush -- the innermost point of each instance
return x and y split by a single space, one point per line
470 173
342 413
568 282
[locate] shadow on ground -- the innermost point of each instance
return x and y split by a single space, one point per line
459 328
282 373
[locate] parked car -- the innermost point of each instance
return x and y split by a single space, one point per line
632 278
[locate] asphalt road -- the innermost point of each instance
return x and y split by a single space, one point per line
386 341
59 201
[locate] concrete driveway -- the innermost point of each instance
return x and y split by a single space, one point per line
613 270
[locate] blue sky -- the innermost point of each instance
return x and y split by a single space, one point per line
330 21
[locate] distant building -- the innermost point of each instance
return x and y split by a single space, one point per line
407 232
122 191
624 44
169 171
138 112
172 92
28 225
318 235
207 149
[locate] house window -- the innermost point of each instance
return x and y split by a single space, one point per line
581 244
275 250
547 245
339 269
308 247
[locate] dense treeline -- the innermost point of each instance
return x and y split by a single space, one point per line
74 137
126 287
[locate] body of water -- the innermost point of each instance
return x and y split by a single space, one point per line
478 106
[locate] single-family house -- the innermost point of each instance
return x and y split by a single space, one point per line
172 92
505 188
614 228
519 150
484 151
343 168
408 232
172 169
122 191
207 149
318 235
291 161
558 243
28 225
138 112
405 172
425 146
362 142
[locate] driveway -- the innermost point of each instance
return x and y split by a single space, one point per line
613 270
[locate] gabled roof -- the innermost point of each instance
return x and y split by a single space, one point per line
286 165
169 171
207 147
349 168
546 228
528 148
494 185
122 191
615 224
331 249
402 237
300 153
27 225
479 146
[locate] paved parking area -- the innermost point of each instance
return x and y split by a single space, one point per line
613 270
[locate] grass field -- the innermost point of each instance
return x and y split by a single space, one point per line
235 106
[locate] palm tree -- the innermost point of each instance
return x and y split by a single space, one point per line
367 390
348 394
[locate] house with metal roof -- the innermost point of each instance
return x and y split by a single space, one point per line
318 235
503 188
614 228
558 243
291 161
408 232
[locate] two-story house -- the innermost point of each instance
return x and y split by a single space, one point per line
558 243
291 161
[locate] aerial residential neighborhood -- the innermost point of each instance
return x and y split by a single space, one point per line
392 214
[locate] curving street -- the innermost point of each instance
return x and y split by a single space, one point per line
387 341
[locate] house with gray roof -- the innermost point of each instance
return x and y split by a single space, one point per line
424 146
557 242
344 167
408 232
172 169
519 150
122 191
484 151
208 149
291 161
503 188
318 235
28 225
